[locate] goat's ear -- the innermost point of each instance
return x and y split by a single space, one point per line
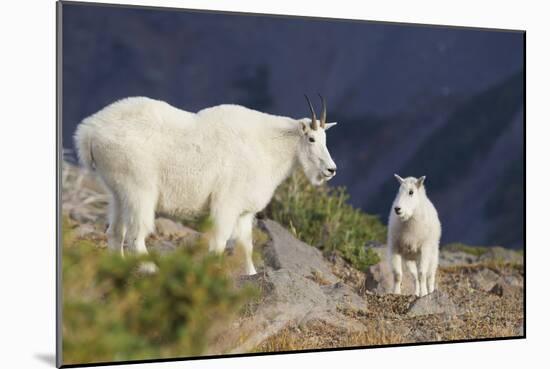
304 125
420 181
328 125
399 179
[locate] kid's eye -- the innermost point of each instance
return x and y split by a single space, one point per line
311 139
411 192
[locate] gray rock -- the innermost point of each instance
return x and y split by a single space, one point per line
451 258
434 303
501 288
168 228
379 279
344 297
297 287
289 298
285 286
484 279
86 229
162 246
501 254
514 280
283 251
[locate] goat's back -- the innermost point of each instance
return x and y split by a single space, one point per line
139 144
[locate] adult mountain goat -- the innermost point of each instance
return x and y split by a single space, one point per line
414 231
227 159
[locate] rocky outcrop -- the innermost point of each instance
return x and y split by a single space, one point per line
297 288
284 251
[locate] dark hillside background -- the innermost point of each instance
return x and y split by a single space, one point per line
415 100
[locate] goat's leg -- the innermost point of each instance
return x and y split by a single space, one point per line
397 270
224 223
243 236
411 265
432 272
140 220
431 280
423 268
139 211
117 229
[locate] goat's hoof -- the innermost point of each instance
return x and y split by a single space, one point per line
147 267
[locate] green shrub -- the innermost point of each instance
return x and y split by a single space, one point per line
472 250
322 217
113 312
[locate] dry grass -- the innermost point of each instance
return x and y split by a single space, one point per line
464 327
83 196
494 265
319 335
479 328
380 335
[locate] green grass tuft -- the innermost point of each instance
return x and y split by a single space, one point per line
112 311
471 250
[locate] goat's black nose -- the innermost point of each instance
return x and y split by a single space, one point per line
397 210
332 170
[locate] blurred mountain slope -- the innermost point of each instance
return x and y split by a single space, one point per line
409 99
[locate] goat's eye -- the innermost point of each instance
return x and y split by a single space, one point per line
411 192
311 139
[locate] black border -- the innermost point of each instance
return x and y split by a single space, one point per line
59 156
58 184
524 185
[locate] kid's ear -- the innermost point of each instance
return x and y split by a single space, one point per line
328 125
399 179
420 181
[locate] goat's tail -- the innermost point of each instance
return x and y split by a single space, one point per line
83 143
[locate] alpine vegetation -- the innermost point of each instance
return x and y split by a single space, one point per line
226 160
414 231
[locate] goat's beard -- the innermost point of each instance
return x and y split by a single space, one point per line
313 175
404 216
317 180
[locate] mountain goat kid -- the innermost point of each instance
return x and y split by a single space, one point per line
414 231
226 160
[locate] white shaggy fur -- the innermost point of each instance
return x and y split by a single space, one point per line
413 235
227 159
